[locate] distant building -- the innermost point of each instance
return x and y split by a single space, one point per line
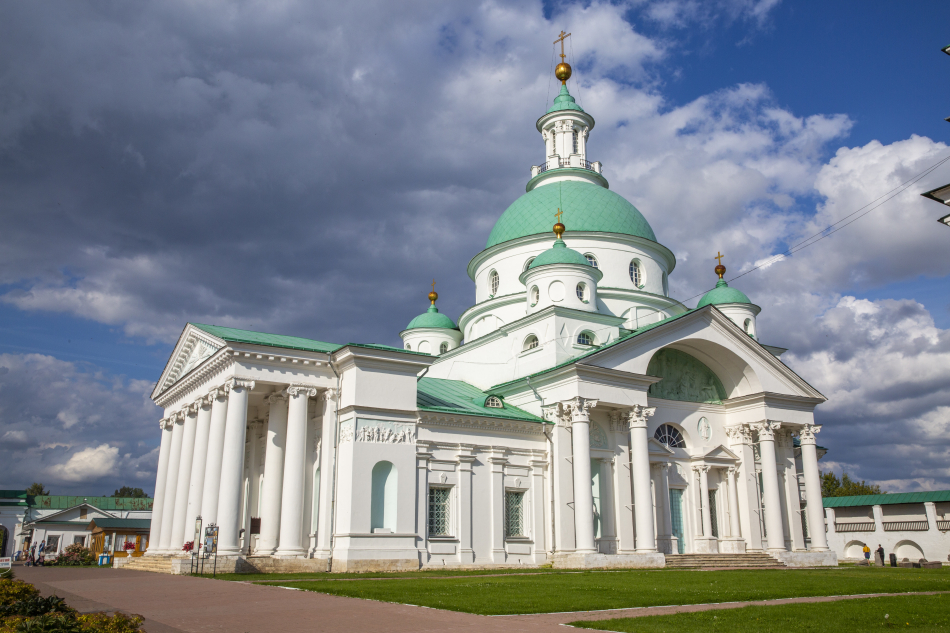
942 195
912 525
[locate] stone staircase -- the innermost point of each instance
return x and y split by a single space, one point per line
158 564
732 561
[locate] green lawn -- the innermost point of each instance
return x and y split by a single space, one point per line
429 573
519 593
928 613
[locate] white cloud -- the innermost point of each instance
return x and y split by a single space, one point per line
87 465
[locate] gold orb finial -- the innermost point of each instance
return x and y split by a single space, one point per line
559 228
433 296
563 72
720 269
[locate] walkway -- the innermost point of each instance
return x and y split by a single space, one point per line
172 604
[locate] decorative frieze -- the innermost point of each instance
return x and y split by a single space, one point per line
381 432
739 434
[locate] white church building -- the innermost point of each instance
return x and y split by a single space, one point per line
576 414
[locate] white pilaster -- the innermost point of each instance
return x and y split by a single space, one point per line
608 530
466 544
158 500
813 505
273 473
775 532
212 483
232 468
422 494
740 439
295 465
171 486
579 409
252 479
666 542
642 490
623 486
327 468
183 488
735 530
538 506
704 499
497 463
198 466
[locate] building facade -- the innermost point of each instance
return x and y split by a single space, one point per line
577 414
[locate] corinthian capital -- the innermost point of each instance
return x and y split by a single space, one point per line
739 434
301 390
637 416
239 383
579 408
766 429
807 433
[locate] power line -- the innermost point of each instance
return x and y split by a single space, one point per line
828 232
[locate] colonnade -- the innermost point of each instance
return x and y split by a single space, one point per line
201 471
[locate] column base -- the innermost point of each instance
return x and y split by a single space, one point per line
705 545
732 546
667 544
579 560
298 553
806 559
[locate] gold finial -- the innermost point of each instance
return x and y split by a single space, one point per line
433 296
559 228
563 70
720 269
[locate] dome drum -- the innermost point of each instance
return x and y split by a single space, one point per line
565 285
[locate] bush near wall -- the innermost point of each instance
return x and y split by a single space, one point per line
23 610
74 555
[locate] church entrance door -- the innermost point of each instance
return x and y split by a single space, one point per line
676 518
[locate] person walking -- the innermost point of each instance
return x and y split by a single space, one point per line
867 554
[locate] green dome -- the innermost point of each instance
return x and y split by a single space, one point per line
722 293
559 254
587 207
432 318
564 101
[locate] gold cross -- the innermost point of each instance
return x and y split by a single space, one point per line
558 215
561 39
719 257
433 285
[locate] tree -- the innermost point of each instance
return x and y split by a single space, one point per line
36 490
134 493
831 486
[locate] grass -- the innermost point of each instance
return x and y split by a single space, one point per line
587 591
428 573
928 613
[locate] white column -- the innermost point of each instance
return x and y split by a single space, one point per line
608 531
666 538
171 485
232 468
770 493
539 527
295 466
212 483
189 428
623 486
252 476
273 473
740 437
582 142
734 529
158 500
198 466
642 490
813 505
583 491
327 468
704 499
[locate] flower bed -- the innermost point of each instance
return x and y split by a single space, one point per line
22 610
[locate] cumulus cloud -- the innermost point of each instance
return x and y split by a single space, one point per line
87 465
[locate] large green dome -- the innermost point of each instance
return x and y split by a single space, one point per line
587 207
432 318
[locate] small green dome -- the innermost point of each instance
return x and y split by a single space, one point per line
587 207
564 101
722 293
432 318
559 254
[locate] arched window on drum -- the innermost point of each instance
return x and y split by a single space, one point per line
670 436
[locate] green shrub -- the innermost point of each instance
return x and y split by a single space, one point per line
74 555
16 590
102 623
49 624
35 606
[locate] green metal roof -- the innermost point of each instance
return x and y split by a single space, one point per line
63 502
886 499
271 340
432 318
559 254
564 101
456 396
722 293
12 494
587 207
131 524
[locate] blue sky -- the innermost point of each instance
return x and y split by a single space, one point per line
167 164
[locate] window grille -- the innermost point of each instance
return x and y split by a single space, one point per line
493 402
574 136
531 342
493 282
636 275
585 338
514 513
670 436
582 292
439 511
592 260
443 348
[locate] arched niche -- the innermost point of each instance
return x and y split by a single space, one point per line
384 497
909 550
738 378
685 378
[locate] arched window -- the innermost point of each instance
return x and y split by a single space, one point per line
493 402
493 282
530 343
636 273
592 260
425 348
444 347
747 326
383 508
585 338
527 264
535 296
582 292
408 347
670 436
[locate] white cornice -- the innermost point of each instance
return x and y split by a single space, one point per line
802 403
212 367
477 423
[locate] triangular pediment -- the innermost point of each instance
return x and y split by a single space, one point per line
720 453
194 347
75 514
658 448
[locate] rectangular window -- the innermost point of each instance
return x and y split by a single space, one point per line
52 544
79 540
514 513
713 515
575 141
439 511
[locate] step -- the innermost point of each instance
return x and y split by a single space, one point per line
744 561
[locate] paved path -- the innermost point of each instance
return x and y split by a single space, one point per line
172 604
